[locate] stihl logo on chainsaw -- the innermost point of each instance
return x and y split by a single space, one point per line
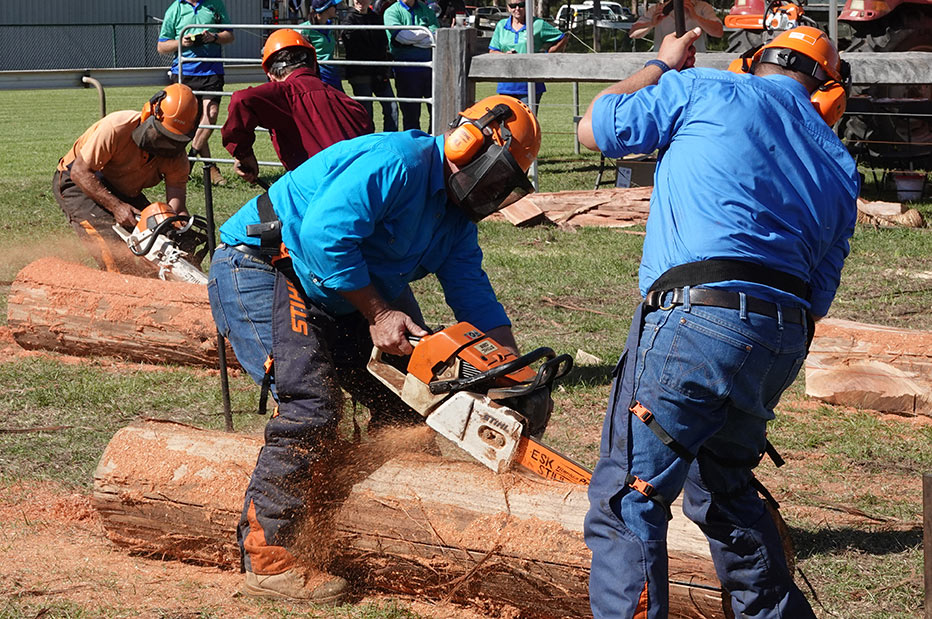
492 421
298 310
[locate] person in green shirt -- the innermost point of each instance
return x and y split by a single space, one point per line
199 75
510 37
411 46
322 12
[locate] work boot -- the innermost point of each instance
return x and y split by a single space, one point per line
216 178
295 584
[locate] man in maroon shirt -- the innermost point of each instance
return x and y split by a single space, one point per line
303 114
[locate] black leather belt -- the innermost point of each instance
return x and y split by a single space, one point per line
250 250
722 298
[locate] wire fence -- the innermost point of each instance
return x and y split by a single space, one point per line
27 47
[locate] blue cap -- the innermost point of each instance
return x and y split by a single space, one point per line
319 6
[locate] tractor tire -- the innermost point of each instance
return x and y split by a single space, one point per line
874 137
741 41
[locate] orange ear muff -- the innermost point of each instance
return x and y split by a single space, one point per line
152 107
830 101
464 143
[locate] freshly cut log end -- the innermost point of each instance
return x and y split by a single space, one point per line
410 523
871 366
76 310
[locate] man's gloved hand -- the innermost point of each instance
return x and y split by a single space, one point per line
390 331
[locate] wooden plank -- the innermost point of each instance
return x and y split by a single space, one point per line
866 67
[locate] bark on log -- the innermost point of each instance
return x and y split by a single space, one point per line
72 309
414 523
871 366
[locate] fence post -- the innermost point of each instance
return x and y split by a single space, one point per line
451 89
927 541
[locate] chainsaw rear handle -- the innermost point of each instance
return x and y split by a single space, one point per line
477 382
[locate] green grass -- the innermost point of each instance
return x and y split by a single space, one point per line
568 289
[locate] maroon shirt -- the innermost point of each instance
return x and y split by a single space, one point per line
303 114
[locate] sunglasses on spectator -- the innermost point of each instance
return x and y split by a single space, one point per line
516 5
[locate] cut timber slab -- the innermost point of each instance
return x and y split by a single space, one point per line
72 309
618 208
871 366
411 523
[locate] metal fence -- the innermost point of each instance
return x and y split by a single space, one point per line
76 46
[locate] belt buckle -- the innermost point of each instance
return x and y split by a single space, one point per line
654 299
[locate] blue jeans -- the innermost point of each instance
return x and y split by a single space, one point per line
711 377
373 85
240 289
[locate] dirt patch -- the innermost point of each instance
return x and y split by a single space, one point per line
56 554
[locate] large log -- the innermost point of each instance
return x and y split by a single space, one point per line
411 523
871 366
72 309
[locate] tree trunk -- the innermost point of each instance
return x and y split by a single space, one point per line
75 310
412 523
871 366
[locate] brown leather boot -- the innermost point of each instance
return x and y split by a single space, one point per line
216 178
299 585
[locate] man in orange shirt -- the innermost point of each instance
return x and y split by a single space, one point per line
99 182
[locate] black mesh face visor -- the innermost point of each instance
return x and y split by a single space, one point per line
489 183
153 138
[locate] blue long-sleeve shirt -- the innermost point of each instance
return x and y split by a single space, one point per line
747 170
374 210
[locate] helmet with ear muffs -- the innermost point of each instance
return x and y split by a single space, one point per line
809 51
176 110
492 145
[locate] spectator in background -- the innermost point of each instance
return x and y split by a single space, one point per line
320 13
411 46
198 75
369 45
510 37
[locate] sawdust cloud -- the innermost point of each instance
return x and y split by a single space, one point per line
67 246
334 477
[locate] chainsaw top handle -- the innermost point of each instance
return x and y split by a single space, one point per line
546 374
190 220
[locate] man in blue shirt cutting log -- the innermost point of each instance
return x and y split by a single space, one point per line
347 231
754 202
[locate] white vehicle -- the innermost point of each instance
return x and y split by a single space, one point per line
622 13
573 15
486 16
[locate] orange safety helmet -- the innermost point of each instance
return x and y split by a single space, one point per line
478 125
279 40
175 108
809 51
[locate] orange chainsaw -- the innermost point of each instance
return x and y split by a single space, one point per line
481 396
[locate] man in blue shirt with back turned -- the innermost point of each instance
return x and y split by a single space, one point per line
753 205
346 232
